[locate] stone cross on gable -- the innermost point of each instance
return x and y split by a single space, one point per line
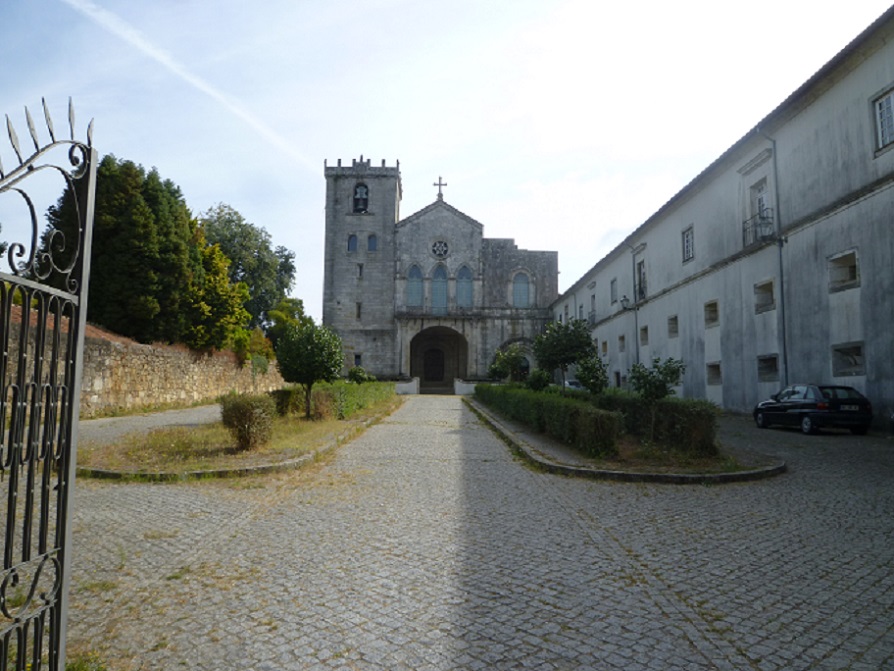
439 184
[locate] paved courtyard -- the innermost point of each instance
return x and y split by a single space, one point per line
425 545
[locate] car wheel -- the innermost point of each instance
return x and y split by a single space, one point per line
761 420
807 425
859 430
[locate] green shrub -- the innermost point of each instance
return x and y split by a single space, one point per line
570 420
685 425
358 375
289 400
538 379
249 418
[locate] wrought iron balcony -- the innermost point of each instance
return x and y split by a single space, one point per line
759 228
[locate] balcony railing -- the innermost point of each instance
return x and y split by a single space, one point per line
759 228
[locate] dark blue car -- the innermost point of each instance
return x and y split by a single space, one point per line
814 406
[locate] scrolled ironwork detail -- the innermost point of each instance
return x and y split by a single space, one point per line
59 254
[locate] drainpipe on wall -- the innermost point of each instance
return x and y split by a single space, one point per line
780 241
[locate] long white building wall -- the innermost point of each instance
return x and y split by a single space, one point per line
775 265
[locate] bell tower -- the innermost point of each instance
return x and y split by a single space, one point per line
362 208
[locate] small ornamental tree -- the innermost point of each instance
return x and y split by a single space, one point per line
593 373
508 363
656 383
563 344
307 354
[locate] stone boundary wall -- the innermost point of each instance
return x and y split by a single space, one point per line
130 376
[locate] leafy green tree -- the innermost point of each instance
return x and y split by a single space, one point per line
307 354
268 273
125 262
154 276
174 266
509 362
216 309
563 344
593 373
656 383
288 312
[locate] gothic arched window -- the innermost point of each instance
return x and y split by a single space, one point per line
439 291
352 243
464 287
372 243
361 197
414 288
521 293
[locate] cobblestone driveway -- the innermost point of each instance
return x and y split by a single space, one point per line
424 545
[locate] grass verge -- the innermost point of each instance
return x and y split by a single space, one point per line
211 448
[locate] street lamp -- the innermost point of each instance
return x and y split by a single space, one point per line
625 303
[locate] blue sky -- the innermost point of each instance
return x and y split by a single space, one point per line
561 123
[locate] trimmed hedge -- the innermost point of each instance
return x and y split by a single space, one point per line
338 399
685 425
593 431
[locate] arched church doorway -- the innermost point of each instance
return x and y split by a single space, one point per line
438 355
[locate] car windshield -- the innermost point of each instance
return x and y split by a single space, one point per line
840 392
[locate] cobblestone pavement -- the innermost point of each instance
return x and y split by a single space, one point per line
425 545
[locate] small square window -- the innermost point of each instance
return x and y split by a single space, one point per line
622 343
712 313
884 120
844 272
847 359
768 368
673 327
644 336
358 359
764 298
714 374
688 244
604 347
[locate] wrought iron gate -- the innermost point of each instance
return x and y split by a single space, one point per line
43 307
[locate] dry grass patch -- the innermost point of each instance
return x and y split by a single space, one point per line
212 447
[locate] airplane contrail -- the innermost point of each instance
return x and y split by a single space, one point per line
120 28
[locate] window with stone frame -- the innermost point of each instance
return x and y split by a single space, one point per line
414 287
372 243
673 326
712 313
464 289
352 243
844 271
521 291
768 368
847 359
688 244
439 291
884 120
764 297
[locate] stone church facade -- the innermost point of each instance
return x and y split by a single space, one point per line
428 296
